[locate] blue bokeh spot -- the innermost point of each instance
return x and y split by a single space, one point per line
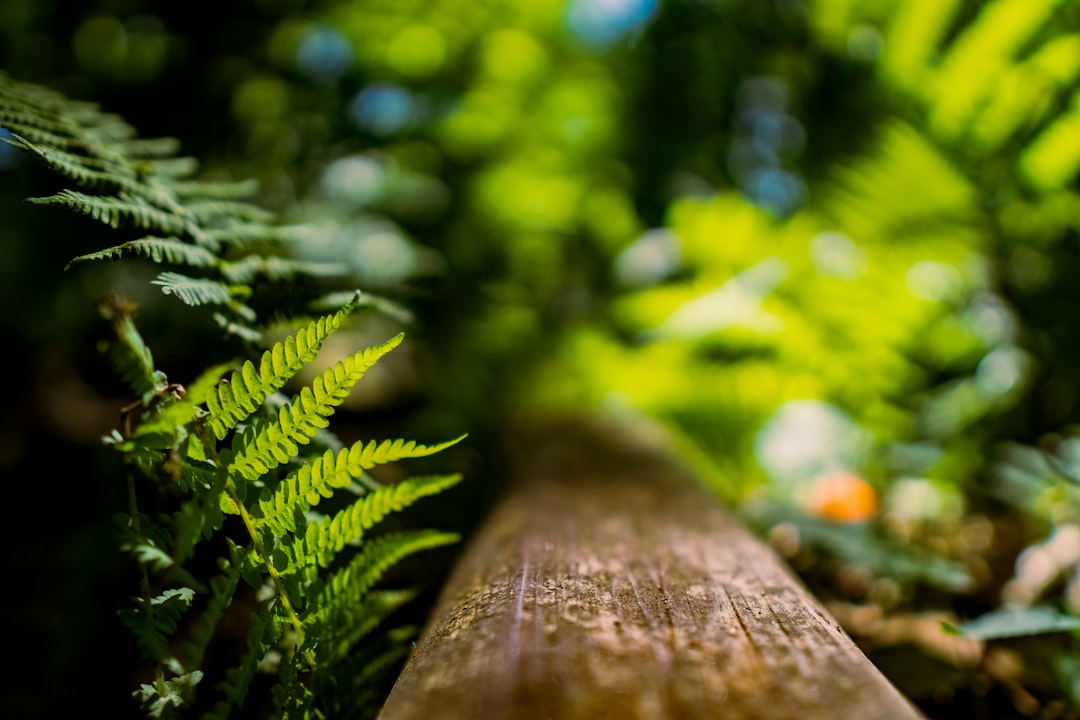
324 54
600 23
383 109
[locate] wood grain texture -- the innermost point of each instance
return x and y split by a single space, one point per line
609 584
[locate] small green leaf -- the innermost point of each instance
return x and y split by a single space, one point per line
1017 622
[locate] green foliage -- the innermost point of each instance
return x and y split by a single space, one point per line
215 243
226 473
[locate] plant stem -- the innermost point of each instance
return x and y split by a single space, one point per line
249 523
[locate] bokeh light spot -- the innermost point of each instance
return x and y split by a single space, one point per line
324 54
100 43
383 257
417 51
864 43
776 190
357 180
600 23
259 99
1002 370
383 109
933 281
649 259
836 255
805 439
513 56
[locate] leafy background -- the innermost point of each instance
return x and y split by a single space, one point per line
827 245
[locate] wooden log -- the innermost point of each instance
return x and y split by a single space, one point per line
609 584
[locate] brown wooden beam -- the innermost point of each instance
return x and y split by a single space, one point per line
609 584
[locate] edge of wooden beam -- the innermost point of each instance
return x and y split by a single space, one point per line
609 584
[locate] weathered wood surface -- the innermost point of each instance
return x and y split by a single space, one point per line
608 584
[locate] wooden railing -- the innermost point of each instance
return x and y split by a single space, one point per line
609 584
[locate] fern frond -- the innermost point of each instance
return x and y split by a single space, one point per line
357 624
157 249
247 388
298 421
249 234
357 694
154 622
130 356
971 66
115 211
1053 158
324 539
165 695
171 167
317 479
368 456
277 268
339 609
213 190
378 303
34 134
206 211
141 148
88 171
195 291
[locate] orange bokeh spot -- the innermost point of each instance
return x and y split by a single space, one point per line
842 496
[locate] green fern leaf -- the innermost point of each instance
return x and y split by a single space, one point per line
153 624
368 300
90 172
210 190
130 356
114 211
324 539
139 148
206 211
278 269
1052 161
379 453
33 134
249 234
160 250
162 697
298 421
248 388
354 692
172 167
338 608
317 479
195 291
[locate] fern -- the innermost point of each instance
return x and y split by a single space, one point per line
130 183
249 387
307 486
228 464
158 250
323 539
281 559
197 291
